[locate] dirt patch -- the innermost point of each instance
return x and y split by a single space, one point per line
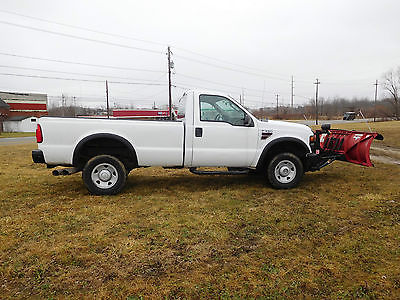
385 154
385 160
386 151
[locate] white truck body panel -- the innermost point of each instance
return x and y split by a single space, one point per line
155 142
173 143
280 129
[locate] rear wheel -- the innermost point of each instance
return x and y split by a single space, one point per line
285 171
104 175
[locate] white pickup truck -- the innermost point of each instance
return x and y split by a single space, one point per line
211 130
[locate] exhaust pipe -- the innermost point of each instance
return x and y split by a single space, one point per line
65 172
56 172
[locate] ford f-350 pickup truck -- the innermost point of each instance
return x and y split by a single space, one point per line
211 130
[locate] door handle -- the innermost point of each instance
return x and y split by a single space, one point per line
198 132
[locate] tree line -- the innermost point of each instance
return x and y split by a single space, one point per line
386 108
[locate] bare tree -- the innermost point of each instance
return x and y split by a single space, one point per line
392 85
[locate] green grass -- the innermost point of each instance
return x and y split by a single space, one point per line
171 234
16 134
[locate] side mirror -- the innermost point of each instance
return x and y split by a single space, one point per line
248 122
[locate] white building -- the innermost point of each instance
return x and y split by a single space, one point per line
20 124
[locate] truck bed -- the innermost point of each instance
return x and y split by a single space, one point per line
156 142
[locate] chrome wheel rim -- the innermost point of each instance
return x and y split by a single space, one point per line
104 176
285 171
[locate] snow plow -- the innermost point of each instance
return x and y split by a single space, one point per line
338 144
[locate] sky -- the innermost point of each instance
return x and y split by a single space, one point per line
248 48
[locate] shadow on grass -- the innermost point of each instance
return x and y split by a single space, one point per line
142 185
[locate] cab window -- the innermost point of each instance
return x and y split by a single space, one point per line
220 109
181 107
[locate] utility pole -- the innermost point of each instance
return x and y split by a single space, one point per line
277 106
74 105
243 97
376 96
292 95
170 66
317 83
63 104
262 100
108 105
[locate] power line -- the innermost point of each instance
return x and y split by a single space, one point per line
191 86
274 76
82 28
81 38
218 83
80 63
130 38
223 61
349 82
74 73
304 97
102 97
79 79
145 87
186 87
229 69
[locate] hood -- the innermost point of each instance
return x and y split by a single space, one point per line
272 124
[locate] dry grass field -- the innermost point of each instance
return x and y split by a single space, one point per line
15 134
172 234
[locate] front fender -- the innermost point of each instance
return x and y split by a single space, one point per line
286 144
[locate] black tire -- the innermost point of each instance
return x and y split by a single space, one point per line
285 171
104 175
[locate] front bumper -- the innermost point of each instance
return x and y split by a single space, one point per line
37 156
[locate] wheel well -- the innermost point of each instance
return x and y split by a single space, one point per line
105 144
294 146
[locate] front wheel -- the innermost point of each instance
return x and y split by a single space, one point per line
285 171
104 175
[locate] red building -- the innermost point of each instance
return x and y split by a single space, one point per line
25 104
4 111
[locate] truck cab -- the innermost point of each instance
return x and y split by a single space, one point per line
221 132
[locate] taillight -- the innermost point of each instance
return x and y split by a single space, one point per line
313 138
39 135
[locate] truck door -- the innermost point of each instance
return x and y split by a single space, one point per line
223 133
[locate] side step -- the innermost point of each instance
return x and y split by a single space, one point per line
235 171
